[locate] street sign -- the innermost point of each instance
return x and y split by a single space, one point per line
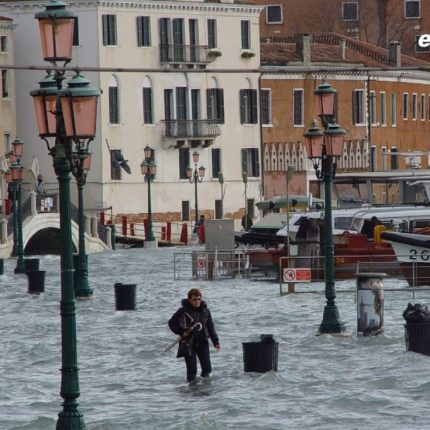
296 275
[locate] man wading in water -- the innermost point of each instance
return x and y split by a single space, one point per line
193 322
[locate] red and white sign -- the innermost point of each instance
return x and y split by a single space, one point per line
296 275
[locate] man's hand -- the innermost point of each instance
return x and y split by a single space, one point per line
217 346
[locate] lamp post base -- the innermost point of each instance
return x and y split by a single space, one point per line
150 244
331 322
81 286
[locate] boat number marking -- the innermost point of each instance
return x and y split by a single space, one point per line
424 255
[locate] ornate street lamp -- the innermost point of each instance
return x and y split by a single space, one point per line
16 169
149 169
68 115
323 148
196 175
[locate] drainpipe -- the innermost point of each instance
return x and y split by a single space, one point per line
262 193
368 128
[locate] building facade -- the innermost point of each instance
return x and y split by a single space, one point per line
178 76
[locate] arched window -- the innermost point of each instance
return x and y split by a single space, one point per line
113 100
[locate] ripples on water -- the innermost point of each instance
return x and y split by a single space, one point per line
323 382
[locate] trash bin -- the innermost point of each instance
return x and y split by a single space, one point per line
31 264
370 303
36 281
125 297
261 356
417 328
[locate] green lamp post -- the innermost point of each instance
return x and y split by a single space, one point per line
16 169
149 168
81 164
323 148
69 116
10 182
196 175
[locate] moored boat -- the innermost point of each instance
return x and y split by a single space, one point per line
413 254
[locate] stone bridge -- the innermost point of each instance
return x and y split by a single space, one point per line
41 228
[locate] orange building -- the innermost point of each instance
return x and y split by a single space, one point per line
383 102
373 21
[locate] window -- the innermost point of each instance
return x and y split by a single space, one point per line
3 43
215 105
384 158
412 8
184 162
76 32
394 158
248 107
218 209
4 84
143 31
109 30
250 162
372 108
350 11
358 107
212 39
419 49
245 35
216 162
414 106
372 161
405 105
383 109
113 102
115 167
274 14
266 108
393 110
423 107
298 107
148 116
185 210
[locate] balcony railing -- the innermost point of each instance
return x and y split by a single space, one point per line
185 54
191 129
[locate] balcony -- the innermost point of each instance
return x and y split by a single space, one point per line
197 129
185 54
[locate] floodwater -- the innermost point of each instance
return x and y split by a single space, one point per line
323 382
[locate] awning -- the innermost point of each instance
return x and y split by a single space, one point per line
281 202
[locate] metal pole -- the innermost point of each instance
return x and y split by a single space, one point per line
331 320
82 288
20 267
14 222
195 194
150 232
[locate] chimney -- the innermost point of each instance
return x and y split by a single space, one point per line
303 47
342 49
395 54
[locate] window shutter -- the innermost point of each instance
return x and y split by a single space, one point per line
139 31
254 107
209 96
255 163
242 106
105 29
220 107
146 31
245 160
354 107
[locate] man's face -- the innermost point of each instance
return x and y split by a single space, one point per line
196 301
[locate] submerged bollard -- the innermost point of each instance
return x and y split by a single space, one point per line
36 281
125 297
370 304
261 356
31 264
417 328
1 266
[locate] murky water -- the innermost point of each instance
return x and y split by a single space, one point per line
126 383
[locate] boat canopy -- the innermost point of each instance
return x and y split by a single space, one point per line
293 200
272 221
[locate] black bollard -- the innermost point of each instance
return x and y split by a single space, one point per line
31 264
36 281
125 297
261 356
1 266
417 328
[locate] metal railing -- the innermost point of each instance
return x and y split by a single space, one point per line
185 54
191 128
